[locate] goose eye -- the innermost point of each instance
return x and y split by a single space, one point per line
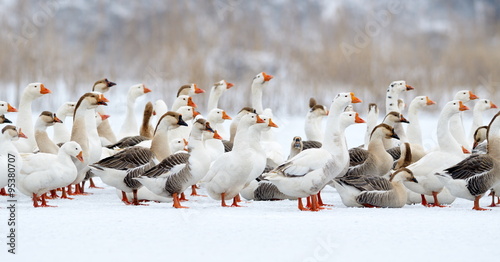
454 103
486 102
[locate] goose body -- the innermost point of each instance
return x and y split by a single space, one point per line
479 108
119 170
456 122
9 134
475 175
414 131
374 191
43 172
216 92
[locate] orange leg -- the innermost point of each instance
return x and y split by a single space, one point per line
35 200
308 204
3 192
193 191
183 197
64 195
301 207
92 185
370 206
314 203
320 201
44 202
79 190
223 200
70 190
493 204
476 204
177 202
424 201
235 201
53 194
436 200
238 198
135 202
125 199
498 200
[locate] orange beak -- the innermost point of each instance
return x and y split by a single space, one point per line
225 116
146 90
259 120
465 150
408 88
493 105
104 117
44 90
191 103
267 77
462 106
472 96
217 136
354 99
195 113
11 108
185 142
430 102
102 100
358 119
21 134
80 156
56 119
229 85
198 90
272 124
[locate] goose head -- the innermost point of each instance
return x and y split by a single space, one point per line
4 120
266 124
221 86
250 119
138 90
348 118
91 101
184 100
261 79
346 98
421 101
484 104
297 143
480 135
455 106
403 174
47 118
187 112
384 131
189 90
179 144
394 117
102 85
465 96
73 149
160 107
201 126
10 132
170 120
398 87
218 116
35 90
317 110
67 109
100 117
6 107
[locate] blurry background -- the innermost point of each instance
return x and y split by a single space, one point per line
313 48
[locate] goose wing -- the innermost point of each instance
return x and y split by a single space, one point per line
126 159
472 166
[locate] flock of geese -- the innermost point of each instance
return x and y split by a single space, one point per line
174 150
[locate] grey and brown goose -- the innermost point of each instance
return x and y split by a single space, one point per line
474 176
44 143
312 126
146 129
173 175
119 170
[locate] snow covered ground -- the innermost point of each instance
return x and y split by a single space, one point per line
99 227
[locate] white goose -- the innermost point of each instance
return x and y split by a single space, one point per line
160 108
371 122
414 133
308 172
24 118
9 134
45 145
216 117
475 175
130 127
479 108
456 122
6 107
393 104
61 132
119 170
227 175
43 172
174 174
216 92
448 154
84 132
374 191
182 100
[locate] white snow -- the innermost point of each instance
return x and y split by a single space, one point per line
100 227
